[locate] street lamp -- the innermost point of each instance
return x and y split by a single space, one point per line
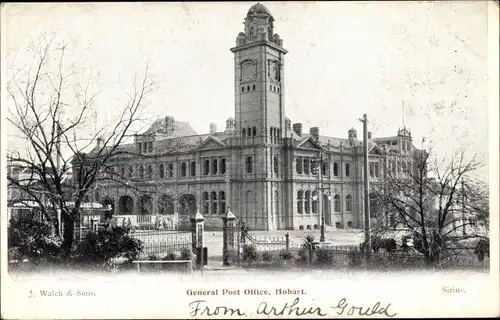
319 168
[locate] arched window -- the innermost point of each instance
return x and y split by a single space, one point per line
271 132
403 166
324 168
300 201
193 169
335 169
249 131
275 165
145 205
315 201
347 169
130 172
249 165
298 165
183 169
307 202
206 167
214 166
162 171
206 204
336 203
150 171
170 171
253 87
213 199
141 172
243 89
165 205
254 131
223 165
348 203
408 146
306 165
222 202
243 132
125 205
314 166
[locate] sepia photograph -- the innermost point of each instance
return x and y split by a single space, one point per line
280 159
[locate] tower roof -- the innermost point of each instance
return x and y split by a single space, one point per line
259 8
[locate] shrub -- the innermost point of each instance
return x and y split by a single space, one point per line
101 246
169 256
249 253
32 240
324 256
482 249
186 254
267 256
153 257
285 255
302 254
356 259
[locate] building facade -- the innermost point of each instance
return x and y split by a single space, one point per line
272 173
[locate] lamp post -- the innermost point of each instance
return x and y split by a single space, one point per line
368 243
320 170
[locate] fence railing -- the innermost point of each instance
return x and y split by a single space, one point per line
161 243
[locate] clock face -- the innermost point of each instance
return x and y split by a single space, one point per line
248 72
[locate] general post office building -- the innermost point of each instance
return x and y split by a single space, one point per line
269 171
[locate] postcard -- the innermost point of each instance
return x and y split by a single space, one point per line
266 160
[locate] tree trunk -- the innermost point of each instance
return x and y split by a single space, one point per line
69 227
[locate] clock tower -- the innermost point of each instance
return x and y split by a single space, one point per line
259 74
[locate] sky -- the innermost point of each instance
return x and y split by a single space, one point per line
345 59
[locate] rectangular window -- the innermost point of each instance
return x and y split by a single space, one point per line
249 165
206 167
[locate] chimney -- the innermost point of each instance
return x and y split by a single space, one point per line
314 131
297 127
169 125
369 134
213 128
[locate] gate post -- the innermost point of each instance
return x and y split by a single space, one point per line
197 224
228 220
287 240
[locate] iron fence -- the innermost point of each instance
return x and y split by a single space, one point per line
161 243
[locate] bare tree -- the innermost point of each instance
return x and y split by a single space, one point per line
50 110
439 201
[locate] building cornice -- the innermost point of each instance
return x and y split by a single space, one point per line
258 43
